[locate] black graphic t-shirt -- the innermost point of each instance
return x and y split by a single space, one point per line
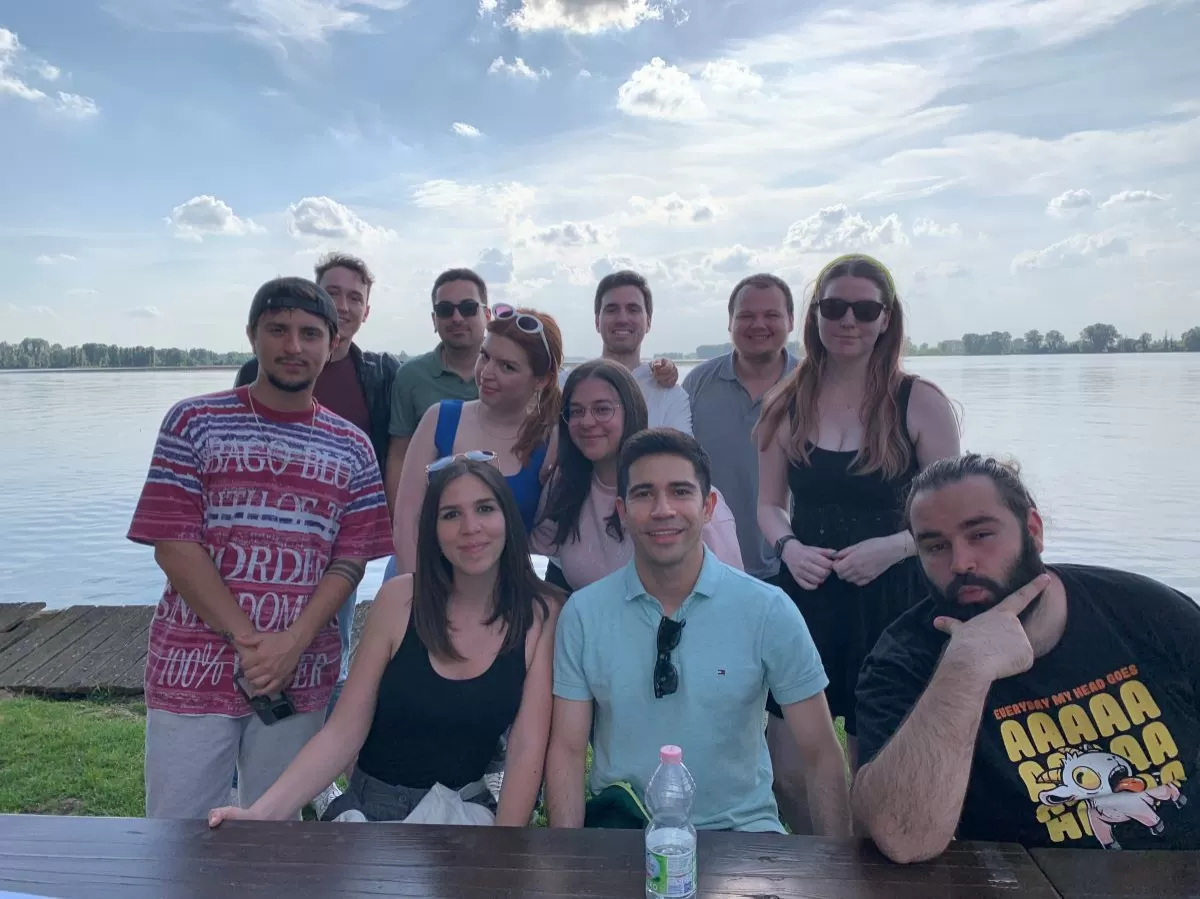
1097 745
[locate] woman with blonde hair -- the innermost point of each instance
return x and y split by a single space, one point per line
515 417
839 441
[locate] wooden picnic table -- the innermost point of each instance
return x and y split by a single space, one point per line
1096 874
135 858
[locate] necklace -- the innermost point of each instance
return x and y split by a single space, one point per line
269 446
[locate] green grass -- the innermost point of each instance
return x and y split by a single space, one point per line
79 757
84 757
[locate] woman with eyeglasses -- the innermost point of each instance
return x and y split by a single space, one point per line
514 417
451 657
602 407
839 441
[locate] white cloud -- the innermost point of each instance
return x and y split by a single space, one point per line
660 91
325 218
584 16
26 311
16 65
929 228
83 292
733 260
206 215
518 68
145 312
1069 202
731 75
837 228
487 7
505 199
1075 250
1132 198
584 73
495 266
674 208
462 129
54 259
942 271
567 234
305 21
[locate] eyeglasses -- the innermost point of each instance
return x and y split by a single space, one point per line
666 675
601 412
834 308
466 308
530 324
469 456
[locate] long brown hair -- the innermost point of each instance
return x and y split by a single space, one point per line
540 423
518 588
884 447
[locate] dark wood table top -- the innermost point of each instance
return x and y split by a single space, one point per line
134 858
1097 874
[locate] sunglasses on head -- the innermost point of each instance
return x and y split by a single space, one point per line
834 308
469 456
529 324
666 675
466 308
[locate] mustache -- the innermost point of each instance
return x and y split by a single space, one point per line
962 581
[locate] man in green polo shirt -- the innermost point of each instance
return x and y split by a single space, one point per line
679 648
460 312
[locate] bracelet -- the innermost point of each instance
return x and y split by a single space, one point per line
782 542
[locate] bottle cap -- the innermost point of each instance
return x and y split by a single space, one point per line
671 755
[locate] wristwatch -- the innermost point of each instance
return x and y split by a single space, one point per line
782 542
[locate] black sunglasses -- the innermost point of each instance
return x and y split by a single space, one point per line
666 675
834 308
466 308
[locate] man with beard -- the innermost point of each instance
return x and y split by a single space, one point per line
263 508
1045 705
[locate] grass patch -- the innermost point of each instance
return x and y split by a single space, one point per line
74 757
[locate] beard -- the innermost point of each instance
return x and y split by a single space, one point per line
1024 569
288 386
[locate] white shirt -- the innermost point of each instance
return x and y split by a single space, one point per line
667 407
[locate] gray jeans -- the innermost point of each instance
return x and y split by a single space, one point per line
379 801
189 757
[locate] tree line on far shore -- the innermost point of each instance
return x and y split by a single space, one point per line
36 353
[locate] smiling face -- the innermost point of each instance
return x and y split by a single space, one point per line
665 509
974 550
623 322
351 295
596 420
470 525
847 337
292 347
504 375
759 323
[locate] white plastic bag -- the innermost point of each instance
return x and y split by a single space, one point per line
442 805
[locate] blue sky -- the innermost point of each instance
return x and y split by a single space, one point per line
1019 163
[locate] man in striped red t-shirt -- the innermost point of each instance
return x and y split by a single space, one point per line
263 508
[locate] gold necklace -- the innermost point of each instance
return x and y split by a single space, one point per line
269 446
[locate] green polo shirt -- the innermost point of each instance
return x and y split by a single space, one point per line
420 383
740 637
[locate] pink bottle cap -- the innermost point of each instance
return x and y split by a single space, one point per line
671 755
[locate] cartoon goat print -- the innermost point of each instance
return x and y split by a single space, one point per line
1106 783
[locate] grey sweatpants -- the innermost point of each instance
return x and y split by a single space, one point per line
189 757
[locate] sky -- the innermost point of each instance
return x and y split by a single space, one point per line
1017 163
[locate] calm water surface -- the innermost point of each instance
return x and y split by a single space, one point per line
1107 444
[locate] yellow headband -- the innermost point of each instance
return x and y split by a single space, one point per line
855 257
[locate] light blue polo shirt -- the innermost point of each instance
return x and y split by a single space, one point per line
740 637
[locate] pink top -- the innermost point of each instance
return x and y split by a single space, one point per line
596 554
273 499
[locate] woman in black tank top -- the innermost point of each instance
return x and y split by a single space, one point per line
839 441
451 658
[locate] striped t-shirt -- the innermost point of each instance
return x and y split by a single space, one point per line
273 497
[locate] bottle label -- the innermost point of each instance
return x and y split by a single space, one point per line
671 876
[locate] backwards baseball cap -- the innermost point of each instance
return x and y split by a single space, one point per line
294 293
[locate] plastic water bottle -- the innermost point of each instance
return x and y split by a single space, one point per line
670 836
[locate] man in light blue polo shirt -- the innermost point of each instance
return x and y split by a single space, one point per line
679 648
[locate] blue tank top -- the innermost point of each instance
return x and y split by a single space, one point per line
526 484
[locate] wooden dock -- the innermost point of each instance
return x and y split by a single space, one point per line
82 649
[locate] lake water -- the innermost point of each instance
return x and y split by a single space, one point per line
1107 443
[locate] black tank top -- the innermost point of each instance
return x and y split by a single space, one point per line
428 729
834 507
